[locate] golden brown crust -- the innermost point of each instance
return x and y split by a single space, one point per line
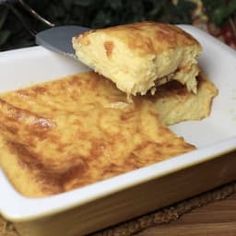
72 132
147 37
109 45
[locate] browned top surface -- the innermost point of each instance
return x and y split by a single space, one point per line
68 133
146 37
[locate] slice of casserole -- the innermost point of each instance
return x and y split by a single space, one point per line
138 57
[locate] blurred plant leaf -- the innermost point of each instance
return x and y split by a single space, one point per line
155 7
4 35
3 16
115 4
185 7
84 3
219 10
67 4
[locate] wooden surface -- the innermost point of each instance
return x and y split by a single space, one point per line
214 219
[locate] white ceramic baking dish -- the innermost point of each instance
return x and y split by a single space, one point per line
118 199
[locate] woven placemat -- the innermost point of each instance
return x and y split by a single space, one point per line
161 216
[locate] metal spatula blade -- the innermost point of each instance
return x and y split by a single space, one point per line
59 39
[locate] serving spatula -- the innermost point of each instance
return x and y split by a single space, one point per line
59 38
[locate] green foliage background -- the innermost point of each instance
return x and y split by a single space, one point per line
92 13
16 23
